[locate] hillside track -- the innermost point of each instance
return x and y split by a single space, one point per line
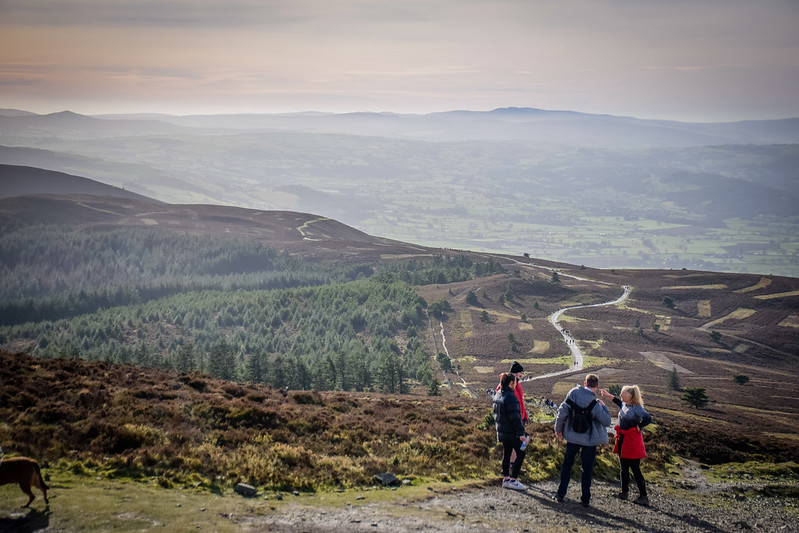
488 507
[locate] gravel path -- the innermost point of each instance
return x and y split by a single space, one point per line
491 508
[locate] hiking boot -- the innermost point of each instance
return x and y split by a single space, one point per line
514 485
622 495
642 500
559 498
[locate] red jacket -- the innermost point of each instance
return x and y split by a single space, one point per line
629 443
520 397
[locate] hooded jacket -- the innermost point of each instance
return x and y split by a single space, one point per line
507 416
519 396
598 433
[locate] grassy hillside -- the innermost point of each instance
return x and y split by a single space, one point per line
717 326
424 321
111 421
193 431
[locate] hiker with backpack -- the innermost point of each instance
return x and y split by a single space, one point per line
582 420
629 440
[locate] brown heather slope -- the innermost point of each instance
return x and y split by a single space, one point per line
191 430
757 317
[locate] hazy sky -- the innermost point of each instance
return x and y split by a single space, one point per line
694 60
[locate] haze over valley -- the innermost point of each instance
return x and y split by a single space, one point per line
612 192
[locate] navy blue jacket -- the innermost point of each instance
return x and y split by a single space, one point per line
507 416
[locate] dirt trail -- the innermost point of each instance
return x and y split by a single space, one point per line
570 341
491 508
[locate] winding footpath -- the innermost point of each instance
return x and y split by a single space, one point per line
463 384
577 354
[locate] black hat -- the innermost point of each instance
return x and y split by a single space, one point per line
516 367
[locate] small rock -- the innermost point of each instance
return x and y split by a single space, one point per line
387 479
245 490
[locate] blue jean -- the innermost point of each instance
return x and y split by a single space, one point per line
588 457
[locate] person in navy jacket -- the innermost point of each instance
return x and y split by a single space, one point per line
510 431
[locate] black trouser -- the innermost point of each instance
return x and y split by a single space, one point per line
588 458
635 466
507 448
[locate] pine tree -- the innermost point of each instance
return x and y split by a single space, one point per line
471 298
695 397
185 359
674 379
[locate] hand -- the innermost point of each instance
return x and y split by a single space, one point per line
559 435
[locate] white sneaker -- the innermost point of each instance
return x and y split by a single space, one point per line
513 484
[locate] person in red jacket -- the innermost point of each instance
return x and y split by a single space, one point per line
629 440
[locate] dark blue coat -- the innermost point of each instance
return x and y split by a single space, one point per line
507 416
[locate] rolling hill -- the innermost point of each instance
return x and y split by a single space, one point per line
603 191
26 181
193 347
709 325
598 190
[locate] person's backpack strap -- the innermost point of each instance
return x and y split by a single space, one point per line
572 405
577 408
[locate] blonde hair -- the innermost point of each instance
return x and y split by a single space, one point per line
635 395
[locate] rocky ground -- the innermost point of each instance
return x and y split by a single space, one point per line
691 506
687 503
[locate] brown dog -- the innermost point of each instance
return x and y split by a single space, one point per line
26 472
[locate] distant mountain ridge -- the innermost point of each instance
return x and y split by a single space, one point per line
503 124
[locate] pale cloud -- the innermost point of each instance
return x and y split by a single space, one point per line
697 59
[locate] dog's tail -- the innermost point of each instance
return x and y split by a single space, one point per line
41 479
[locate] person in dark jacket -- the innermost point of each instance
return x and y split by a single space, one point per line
517 370
585 443
629 440
510 431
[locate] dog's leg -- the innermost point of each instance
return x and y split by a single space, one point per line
29 492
